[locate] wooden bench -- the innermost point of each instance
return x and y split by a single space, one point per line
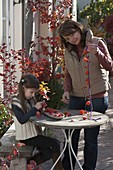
8 141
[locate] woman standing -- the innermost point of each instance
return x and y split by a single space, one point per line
87 66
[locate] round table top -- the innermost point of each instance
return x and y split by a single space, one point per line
72 122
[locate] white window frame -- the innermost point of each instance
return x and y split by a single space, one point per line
6 35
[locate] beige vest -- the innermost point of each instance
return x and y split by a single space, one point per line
26 130
99 77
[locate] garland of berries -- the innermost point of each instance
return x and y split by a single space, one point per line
87 115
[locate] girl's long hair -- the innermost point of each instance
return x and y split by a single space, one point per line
29 81
69 27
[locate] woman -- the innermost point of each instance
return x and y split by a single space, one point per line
87 66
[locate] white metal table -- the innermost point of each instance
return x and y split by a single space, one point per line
71 123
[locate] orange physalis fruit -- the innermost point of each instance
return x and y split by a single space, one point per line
82 112
86 59
88 103
85 52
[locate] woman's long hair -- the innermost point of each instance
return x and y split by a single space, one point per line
67 28
29 81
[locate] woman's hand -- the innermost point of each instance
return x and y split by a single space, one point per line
65 97
93 48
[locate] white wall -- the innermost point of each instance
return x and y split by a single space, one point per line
82 3
18 26
0 22
18 31
1 36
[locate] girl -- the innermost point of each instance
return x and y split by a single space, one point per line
80 44
24 106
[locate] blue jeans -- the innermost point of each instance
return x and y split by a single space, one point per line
90 134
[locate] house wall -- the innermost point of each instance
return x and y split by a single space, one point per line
18 26
82 3
17 32
1 66
10 30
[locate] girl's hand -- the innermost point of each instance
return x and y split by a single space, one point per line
38 114
38 105
44 104
65 97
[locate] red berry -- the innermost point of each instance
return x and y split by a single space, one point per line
66 113
82 112
88 103
15 152
9 157
19 144
84 117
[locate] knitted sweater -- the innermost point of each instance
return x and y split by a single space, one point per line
25 129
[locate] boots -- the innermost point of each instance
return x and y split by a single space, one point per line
59 163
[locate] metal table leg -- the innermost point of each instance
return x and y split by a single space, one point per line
69 143
70 134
